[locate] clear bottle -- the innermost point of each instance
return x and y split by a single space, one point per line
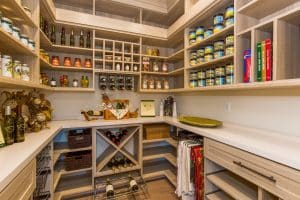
2 141
133 186
72 39
109 189
81 39
8 126
19 126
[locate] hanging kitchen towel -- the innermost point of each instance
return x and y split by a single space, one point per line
197 157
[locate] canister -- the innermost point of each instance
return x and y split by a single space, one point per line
158 84
229 69
218 28
208 57
219 19
229 50
208 33
219 45
210 73
209 49
229 21
201 83
192 34
229 79
218 54
220 80
6 66
17 69
193 75
193 55
199 38
6 24
200 52
229 12
193 83
200 30
193 61
192 41
201 75
210 82
16 32
220 71
229 40
24 39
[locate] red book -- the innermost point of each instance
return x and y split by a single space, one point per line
269 60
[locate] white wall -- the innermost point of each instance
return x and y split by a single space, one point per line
280 114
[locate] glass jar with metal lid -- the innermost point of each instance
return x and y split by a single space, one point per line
31 44
229 50
192 34
209 49
229 79
210 82
193 75
210 73
193 55
199 30
193 83
220 80
219 18
220 71
6 66
219 45
229 40
229 22
229 12
24 39
200 59
201 83
158 85
16 32
6 24
201 75
229 69
0 17
17 69
218 54
208 57
208 33
218 28
25 73
166 84
200 52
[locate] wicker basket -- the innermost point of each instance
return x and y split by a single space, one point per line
78 160
79 138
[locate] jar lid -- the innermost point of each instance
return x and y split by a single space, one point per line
6 20
220 14
230 35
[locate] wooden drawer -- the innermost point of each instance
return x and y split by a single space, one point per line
280 180
22 187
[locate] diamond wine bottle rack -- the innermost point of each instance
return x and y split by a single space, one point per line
129 146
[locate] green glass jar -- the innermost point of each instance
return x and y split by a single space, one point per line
85 81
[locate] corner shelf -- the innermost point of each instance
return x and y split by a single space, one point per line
116 72
45 65
221 60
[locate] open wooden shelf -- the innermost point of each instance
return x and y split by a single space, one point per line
107 172
170 141
178 55
219 195
221 60
233 185
212 38
72 89
100 71
155 73
45 65
6 82
176 72
155 57
10 45
16 13
262 8
167 156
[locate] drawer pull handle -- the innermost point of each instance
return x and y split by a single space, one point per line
270 178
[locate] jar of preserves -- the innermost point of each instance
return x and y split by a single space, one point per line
193 61
166 84
209 49
127 67
6 25
208 57
229 12
77 62
199 38
165 67
6 66
200 59
24 39
230 79
85 81
218 28
199 30
208 33
229 40
67 62
158 85
16 33
193 55
229 69
220 71
193 75
218 54
64 81
219 45
229 50
219 19
88 63
55 61
17 69
53 82
210 73
192 34
155 67
193 83
25 76
210 82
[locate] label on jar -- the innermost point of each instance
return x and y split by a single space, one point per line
6 66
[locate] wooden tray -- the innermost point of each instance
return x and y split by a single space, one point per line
200 122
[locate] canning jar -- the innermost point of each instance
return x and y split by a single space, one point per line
229 50
201 74
218 19
193 55
31 44
6 24
201 83
200 30
16 33
209 49
218 54
220 71
210 82
6 66
25 73
219 45
220 80
199 38
208 57
230 79
208 33
210 73
192 34
158 84
55 61
155 67
229 21
229 69
229 12
17 69
200 52
229 40
193 83
218 28
67 62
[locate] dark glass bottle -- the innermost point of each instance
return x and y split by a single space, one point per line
8 126
53 34
133 186
2 140
109 189
88 40
46 28
63 36
72 38
81 39
19 126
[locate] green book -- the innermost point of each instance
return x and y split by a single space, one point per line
259 62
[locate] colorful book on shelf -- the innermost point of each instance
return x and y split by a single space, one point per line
269 60
247 65
263 61
259 61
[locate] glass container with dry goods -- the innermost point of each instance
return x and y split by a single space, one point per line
64 81
31 44
135 67
220 80
229 50
44 79
25 74
7 66
127 67
229 69
193 83
151 84
218 28
17 69
219 18
77 62
85 81
164 67
229 40
230 79
145 83
166 84
67 62
229 12
220 71
208 33
155 67
118 67
6 25
158 84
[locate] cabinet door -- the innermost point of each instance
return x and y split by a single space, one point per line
22 187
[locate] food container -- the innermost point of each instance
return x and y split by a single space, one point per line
220 80
6 66
31 45
67 62
210 82
85 81
192 41
17 69
193 76
27 11
145 84
135 67
158 85
229 69
218 54
220 71
192 34
127 67
208 33
16 33
193 55
229 21
6 25
209 49
155 67
229 50
127 59
155 52
193 83
208 57
149 51
193 61
55 61
53 82
75 83
229 12
118 58
201 83
44 79
24 39
218 19
151 84
218 28
219 45
77 62
200 52
166 84
229 79
64 81
118 67
210 73
25 76
200 30
229 40
200 59
201 75
88 63
199 38
164 67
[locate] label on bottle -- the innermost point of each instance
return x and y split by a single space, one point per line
109 188
132 183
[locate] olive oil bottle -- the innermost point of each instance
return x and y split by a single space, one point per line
8 126
2 141
63 36
19 126
53 35
88 40
81 39
72 39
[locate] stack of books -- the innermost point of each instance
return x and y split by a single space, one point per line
264 60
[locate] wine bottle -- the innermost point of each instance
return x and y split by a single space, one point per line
53 34
88 40
19 126
2 141
125 132
72 38
63 36
109 189
46 28
8 126
129 163
133 186
81 39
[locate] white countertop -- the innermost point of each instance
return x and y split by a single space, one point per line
273 146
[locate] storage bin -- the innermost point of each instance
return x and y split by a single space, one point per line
156 131
78 160
79 138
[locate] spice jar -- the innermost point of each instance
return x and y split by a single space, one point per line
17 69
208 57
230 79
55 61
192 34
165 67
229 69
31 44
166 84
16 33
218 54
210 82
229 12
155 67
77 62
219 45
127 67
118 67
220 80
220 71
135 67
158 85
75 83
193 75
25 76
6 66
88 63
229 21
64 81
85 81
145 83
6 25
151 84
24 39
53 82
67 62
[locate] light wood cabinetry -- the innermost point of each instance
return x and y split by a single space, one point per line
23 185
